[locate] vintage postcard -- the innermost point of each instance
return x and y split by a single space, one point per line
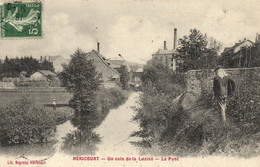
21 19
133 83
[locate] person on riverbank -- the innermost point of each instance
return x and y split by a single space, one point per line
223 87
54 104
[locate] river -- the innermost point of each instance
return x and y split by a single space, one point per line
78 137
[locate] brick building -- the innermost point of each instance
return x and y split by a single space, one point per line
167 57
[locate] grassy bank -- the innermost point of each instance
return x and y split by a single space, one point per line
41 97
26 121
28 117
167 129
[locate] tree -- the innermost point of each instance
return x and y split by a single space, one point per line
46 65
82 80
124 78
14 66
158 77
197 51
245 58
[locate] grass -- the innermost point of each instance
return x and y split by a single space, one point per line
43 98
23 106
167 129
40 97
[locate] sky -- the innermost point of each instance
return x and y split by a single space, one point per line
134 29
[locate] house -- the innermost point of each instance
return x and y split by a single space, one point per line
108 74
43 75
116 64
237 47
165 56
238 55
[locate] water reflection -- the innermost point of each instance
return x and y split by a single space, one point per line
82 141
82 135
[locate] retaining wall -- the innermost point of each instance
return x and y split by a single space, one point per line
199 80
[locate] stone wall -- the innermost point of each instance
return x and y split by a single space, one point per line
199 80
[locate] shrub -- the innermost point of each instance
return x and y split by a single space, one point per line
112 97
244 105
23 121
153 115
162 79
167 129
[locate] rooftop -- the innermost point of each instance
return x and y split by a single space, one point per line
46 73
161 51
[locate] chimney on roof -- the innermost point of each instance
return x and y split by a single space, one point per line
164 45
244 39
175 39
257 38
98 47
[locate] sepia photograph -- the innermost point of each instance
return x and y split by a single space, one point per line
138 83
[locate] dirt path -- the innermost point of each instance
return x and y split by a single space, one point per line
116 129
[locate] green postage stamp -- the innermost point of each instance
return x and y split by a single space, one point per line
21 19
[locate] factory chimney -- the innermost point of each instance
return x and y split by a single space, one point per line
98 47
175 39
164 45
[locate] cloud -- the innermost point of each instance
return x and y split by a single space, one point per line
134 38
135 29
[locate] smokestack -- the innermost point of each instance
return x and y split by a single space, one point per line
175 38
164 45
45 58
41 58
98 47
49 58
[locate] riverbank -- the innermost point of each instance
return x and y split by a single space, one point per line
29 117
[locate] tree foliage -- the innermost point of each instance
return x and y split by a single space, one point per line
12 67
24 121
197 51
162 79
160 86
245 58
82 80
124 78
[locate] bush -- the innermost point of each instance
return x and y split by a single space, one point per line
244 106
162 80
202 131
23 121
168 129
112 97
154 114
160 86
